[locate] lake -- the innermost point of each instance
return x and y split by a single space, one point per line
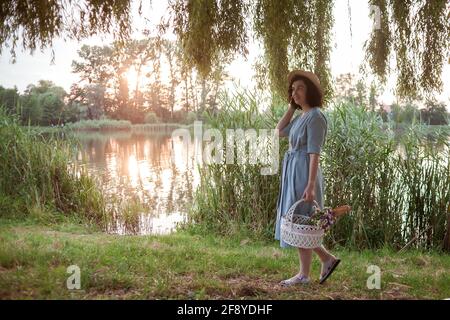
153 167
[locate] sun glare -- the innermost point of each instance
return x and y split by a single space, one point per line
146 76
131 76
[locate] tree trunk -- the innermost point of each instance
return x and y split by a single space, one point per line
136 90
203 95
186 93
446 243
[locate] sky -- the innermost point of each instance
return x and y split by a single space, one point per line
346 56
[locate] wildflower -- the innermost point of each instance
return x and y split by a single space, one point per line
322 218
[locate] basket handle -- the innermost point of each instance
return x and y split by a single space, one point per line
292 208
302 200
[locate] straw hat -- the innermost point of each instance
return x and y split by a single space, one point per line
309 75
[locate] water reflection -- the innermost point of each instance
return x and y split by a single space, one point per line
141 166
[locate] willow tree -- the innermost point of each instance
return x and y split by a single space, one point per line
411 37
209 31
295 34
36 24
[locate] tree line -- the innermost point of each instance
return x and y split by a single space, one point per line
142 81
429 111
47 104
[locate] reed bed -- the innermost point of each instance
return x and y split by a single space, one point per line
36 177
397 185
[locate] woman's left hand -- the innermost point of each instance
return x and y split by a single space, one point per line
310 193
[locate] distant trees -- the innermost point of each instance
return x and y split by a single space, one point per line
9 98
129 80
435 113
42 104
138 80
405 113
90 100
45 103
348 89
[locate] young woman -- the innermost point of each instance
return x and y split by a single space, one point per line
301 176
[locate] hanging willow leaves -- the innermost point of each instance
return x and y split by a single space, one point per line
272 24
231 28
302 35
37 23
434 24
404 48
296 35
417 32
322 47
209 30
379 44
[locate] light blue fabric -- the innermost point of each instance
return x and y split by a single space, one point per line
307 134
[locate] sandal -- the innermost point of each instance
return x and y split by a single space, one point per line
329 271
294 281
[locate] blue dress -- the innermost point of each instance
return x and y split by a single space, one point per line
307 134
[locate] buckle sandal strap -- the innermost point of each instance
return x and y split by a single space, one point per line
330 270
294 281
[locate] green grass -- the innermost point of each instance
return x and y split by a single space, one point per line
38 181
34 258
108 125
36 178
102 125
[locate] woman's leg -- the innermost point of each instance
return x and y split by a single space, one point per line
324 256
305 257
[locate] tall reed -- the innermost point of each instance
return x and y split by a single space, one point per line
35 174
236 197
398 186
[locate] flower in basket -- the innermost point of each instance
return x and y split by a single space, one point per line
327 217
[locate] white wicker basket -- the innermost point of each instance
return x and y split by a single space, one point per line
297 234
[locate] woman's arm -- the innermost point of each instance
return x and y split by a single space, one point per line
285 120
313 166
310 191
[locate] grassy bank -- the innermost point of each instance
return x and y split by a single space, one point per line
110 127
34 258
118 125
102 125
37 179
